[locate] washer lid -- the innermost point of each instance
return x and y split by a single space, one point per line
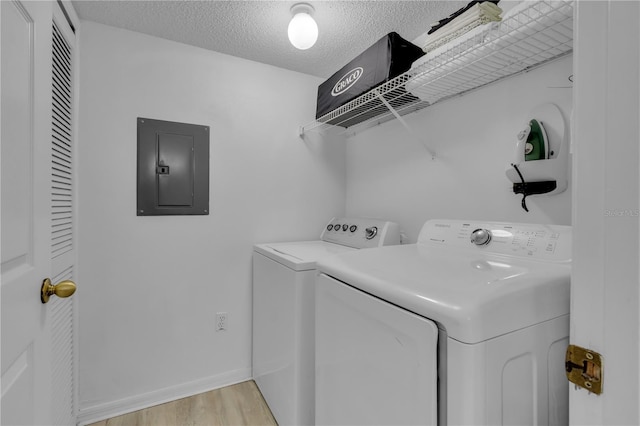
474 295
301 255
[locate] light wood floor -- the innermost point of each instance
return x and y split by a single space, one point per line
236 405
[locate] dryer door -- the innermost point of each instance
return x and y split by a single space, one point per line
375 363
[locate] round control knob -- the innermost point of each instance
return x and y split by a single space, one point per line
353 228
345 227
336 227
329 227
481 237
371 232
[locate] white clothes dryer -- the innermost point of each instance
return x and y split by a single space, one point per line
283 311
467 327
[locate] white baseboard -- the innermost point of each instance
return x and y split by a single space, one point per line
106 410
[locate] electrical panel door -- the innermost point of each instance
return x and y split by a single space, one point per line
173 168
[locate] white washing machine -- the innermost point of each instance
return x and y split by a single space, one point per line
467 327
283 311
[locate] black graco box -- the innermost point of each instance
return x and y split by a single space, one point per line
387 58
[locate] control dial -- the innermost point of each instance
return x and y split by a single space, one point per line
481 237
371 232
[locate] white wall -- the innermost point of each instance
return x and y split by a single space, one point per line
390 175
149 287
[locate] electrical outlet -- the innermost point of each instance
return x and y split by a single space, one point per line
221 321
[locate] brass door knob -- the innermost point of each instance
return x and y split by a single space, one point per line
62 289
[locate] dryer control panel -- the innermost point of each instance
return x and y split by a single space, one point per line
361 232
535 241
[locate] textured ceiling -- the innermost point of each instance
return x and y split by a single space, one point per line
257 30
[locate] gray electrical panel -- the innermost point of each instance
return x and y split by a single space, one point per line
173 168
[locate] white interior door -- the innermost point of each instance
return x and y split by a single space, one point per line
36 192
605 280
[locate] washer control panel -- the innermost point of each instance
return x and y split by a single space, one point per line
542 242
361 232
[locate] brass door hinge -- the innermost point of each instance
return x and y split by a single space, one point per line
584 368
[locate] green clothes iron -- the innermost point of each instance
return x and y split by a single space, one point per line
533 142
539 163
532 145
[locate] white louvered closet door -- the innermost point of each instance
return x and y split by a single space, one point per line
62 220
36 213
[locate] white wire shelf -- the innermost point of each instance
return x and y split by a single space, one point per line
531 34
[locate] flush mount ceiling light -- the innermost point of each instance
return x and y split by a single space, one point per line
303 30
